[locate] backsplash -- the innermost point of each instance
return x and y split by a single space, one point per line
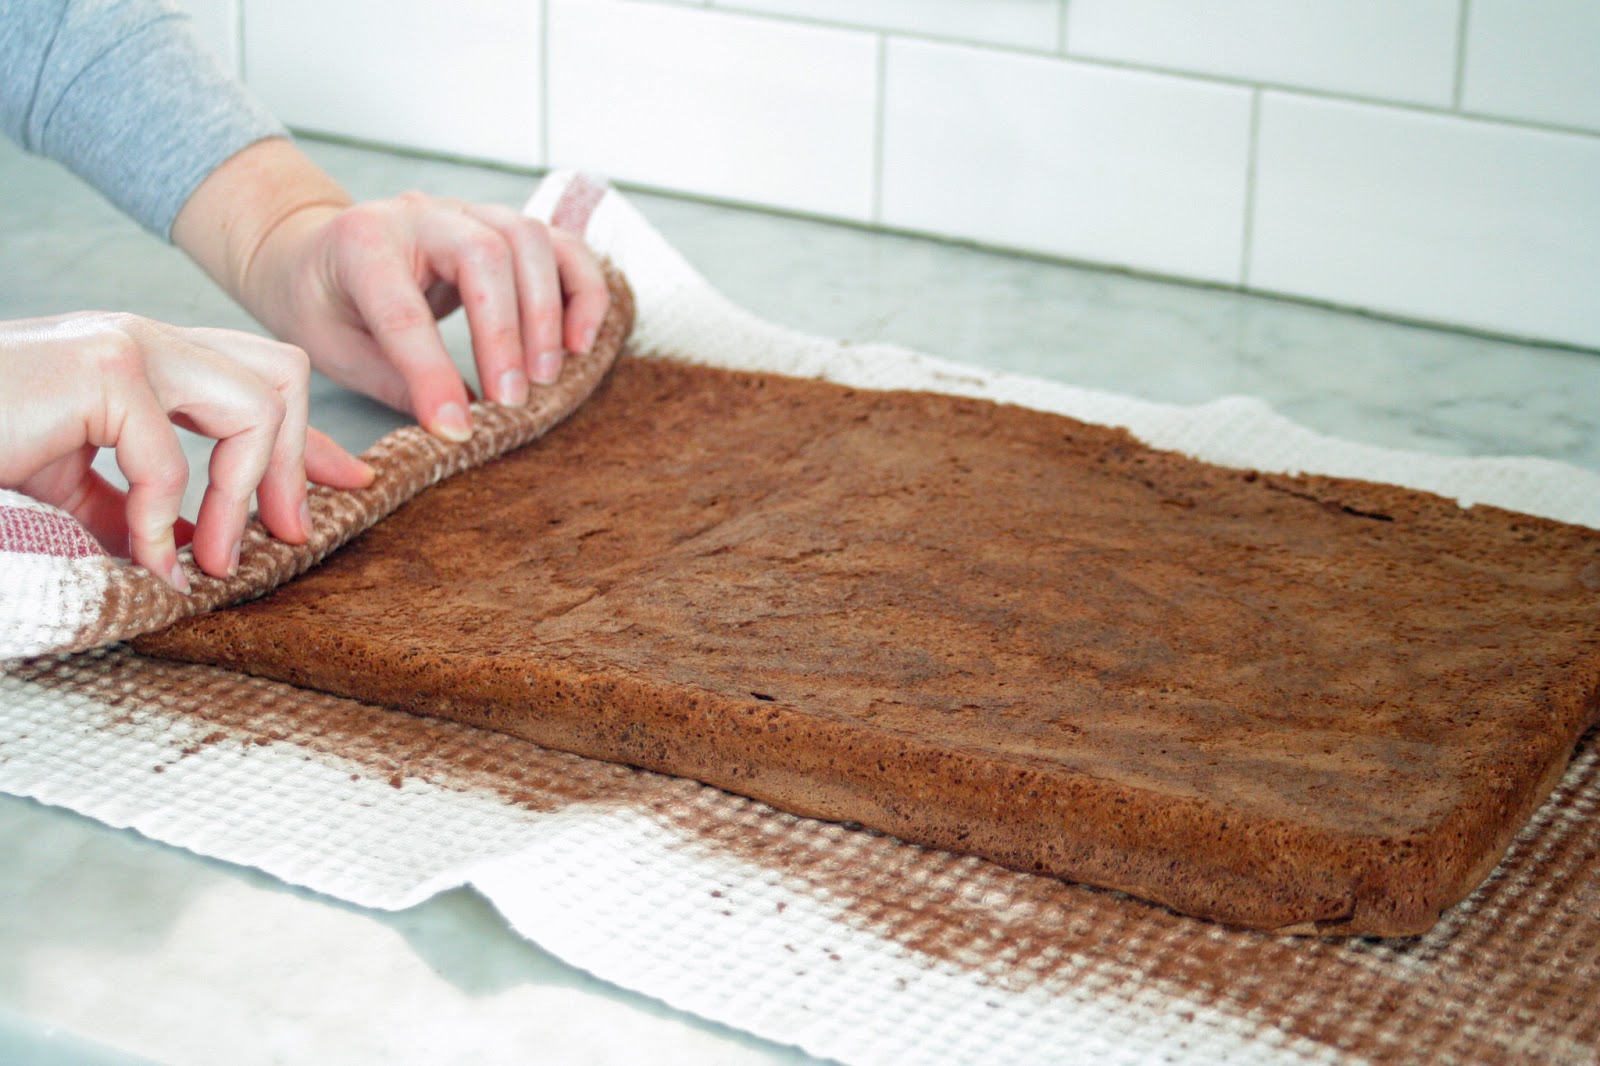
1437 160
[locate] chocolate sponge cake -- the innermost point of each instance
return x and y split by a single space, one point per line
1284 702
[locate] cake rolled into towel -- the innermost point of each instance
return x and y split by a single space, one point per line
1293 703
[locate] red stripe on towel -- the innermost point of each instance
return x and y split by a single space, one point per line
578 201
34 531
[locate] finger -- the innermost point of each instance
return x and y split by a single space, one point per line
478 260
149 457
281 494
538 288
330 465
397 316
588 298
237 464
300 451
244 414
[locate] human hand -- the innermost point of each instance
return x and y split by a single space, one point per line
80 382
360 286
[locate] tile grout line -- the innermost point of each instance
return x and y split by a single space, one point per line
822 22
1045 54
1252 154
238 40
544 84
880 110
1458 89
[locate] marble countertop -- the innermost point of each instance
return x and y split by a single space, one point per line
114 949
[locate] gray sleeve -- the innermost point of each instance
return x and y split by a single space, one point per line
123 94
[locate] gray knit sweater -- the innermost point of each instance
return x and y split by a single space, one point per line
122 93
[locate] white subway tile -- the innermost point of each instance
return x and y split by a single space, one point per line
1534 59
1018 23
1430 216
460 78
1403 50
720 105
216 23
1119 167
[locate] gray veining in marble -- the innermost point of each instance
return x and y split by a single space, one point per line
99 928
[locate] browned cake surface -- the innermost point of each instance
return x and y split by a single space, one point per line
1274 701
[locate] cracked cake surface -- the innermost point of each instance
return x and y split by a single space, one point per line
1284 702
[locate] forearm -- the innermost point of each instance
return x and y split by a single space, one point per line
247 209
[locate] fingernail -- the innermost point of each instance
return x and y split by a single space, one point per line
305 517
589 337
450 422
178 578
547 367
233 562
513 388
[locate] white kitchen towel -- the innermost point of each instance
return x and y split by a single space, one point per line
844 942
